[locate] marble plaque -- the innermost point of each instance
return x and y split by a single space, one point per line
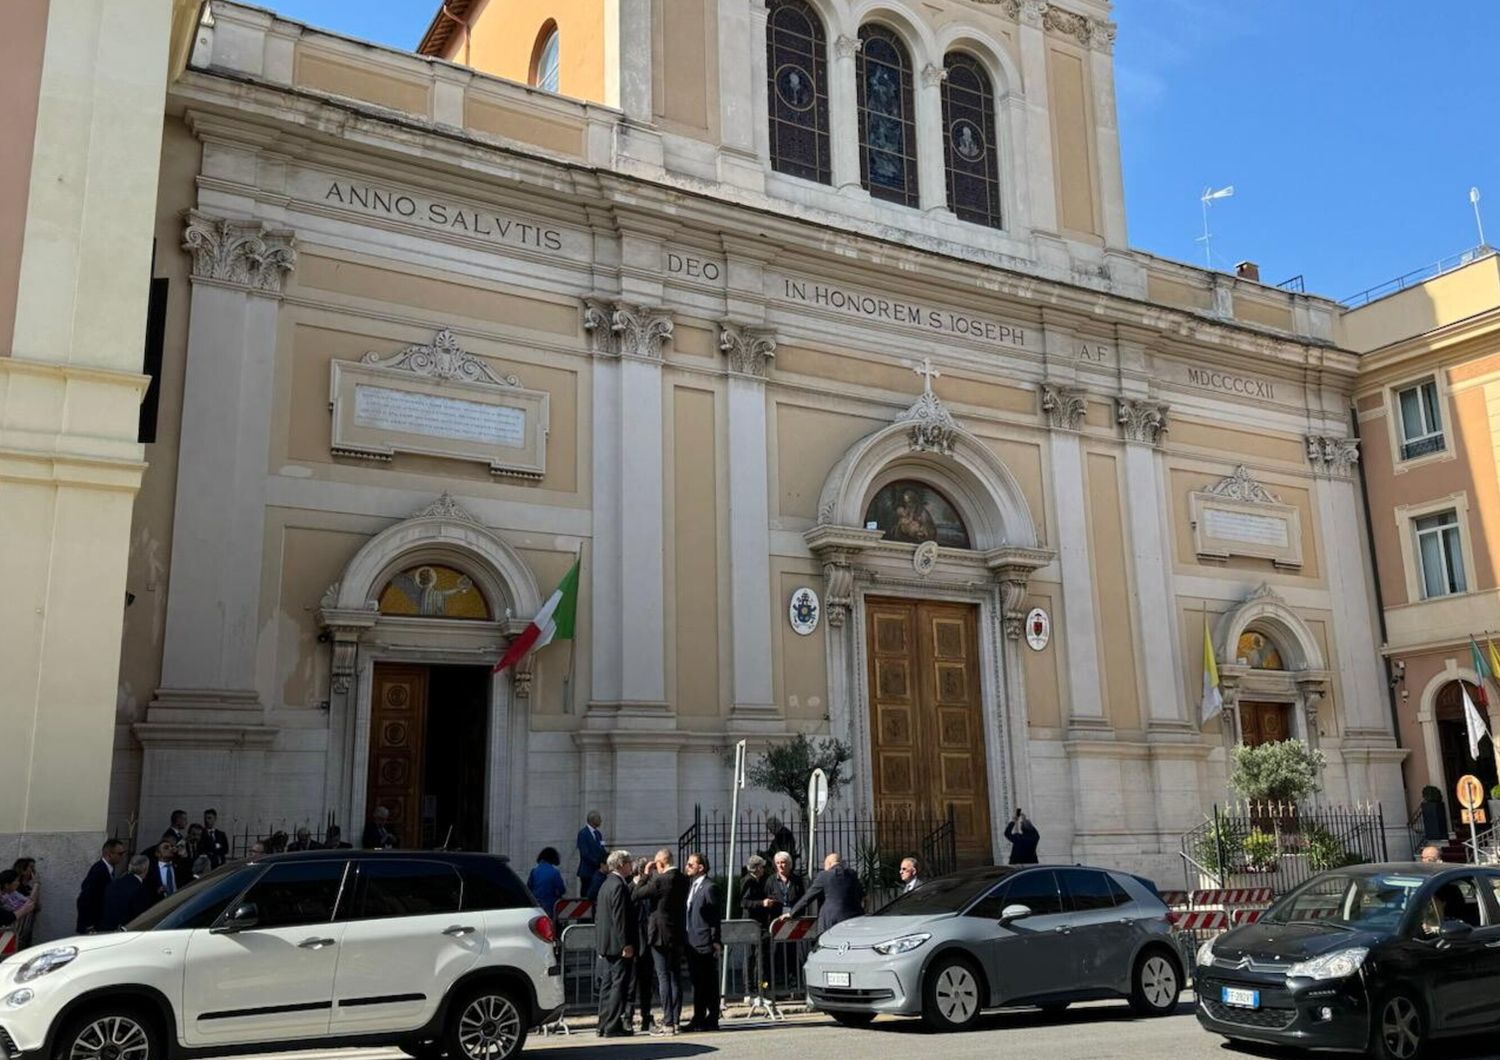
1224 527
440 417
1248 528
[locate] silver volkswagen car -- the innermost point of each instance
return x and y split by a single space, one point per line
1000 936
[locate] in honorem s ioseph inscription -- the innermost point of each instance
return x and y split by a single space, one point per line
439 417
1246 527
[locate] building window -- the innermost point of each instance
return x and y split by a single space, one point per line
1440 557
887 117
797 90
969 150
544 58
1421 420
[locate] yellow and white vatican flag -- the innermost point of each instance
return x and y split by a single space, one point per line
1213 702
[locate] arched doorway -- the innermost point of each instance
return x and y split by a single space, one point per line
1453 744
1271 671
418 723
1268 718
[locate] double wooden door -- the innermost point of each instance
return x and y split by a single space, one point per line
1264 723
926 717
398 729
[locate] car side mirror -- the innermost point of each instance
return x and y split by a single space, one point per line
1455 929
1013 913
242 917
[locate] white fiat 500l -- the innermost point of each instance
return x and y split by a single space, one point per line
434 952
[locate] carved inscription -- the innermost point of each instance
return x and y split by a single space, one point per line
439 417
1246 527
449 216
883 309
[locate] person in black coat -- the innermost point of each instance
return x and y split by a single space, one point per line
615 936
95 885
214 843
842 894
784 887
705 912
162 878
1023 838
667 889
781 840
129 896
377 836
642 975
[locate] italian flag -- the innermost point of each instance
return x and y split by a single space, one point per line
553 622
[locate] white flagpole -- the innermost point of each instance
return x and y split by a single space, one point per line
730 870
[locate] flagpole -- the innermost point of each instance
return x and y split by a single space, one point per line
572 696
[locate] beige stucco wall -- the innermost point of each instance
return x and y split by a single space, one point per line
21 52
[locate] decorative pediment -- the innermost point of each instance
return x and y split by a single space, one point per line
932 428
446 507
442 359
1240 486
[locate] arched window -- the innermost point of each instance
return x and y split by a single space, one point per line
544 57
887 117
1258 651
797 87
969 149
913 512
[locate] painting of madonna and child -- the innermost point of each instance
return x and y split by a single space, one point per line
913 512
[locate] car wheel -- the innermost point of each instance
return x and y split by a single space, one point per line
110 1033
1400 1030
485 1024
951 995
1156 984
854 1019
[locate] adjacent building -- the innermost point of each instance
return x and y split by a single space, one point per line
1428 410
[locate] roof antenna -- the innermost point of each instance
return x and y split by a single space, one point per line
1206 239
1478 221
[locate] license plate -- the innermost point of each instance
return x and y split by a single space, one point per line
1240 998
837 978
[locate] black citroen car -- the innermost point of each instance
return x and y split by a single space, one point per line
1375 958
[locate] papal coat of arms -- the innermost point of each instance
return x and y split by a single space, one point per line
804 611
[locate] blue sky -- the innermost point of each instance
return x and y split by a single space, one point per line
1350 129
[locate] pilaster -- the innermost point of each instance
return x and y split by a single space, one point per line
1039 164
931 183
748 352
843 112
213 600
1079 642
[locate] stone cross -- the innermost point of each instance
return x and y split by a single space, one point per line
927 372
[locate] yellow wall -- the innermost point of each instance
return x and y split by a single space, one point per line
1449 298
1107 554
503 37
695 555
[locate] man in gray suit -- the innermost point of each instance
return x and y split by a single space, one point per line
615 936
842 894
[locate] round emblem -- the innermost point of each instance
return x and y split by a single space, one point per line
844 946
925 557
1038 629
794 87
804 611
968 140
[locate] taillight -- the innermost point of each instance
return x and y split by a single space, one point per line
543 928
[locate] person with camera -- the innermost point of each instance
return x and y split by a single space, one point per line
1023 838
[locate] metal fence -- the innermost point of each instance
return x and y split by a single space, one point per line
1279 845
871 844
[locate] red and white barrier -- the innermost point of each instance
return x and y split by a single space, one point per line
7 943
1245 916
1234 896
1175 898
792 930
573 909
1201 920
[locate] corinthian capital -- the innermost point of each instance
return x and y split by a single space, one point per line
246 254
1332 456
749 349
619 329
1141 420
847 47
1064 406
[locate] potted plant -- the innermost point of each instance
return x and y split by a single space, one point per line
1279 771
1434 816
1261 851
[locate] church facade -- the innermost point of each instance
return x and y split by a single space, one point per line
825 356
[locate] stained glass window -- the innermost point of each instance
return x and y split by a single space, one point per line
969 150
887 117
797 86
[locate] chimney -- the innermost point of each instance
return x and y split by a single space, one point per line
1248 270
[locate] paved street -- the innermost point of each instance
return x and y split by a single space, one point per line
1085 1032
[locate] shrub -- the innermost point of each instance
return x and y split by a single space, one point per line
1325 850
1261 850
878 869
1223 839
1281 771
784 768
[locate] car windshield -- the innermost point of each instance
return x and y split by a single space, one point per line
946 894
1371 900
199 903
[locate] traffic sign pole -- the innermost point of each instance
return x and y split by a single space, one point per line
1470 794
817 800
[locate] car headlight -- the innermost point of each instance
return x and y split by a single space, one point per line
1340 964
46 961
17 998
904 944
1206 953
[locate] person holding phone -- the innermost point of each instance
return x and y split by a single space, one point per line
1023 838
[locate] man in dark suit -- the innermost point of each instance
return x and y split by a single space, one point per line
591 851
839 888
161 880
214 843
128 897
705 911
96 884
665 932
377 836
615 935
